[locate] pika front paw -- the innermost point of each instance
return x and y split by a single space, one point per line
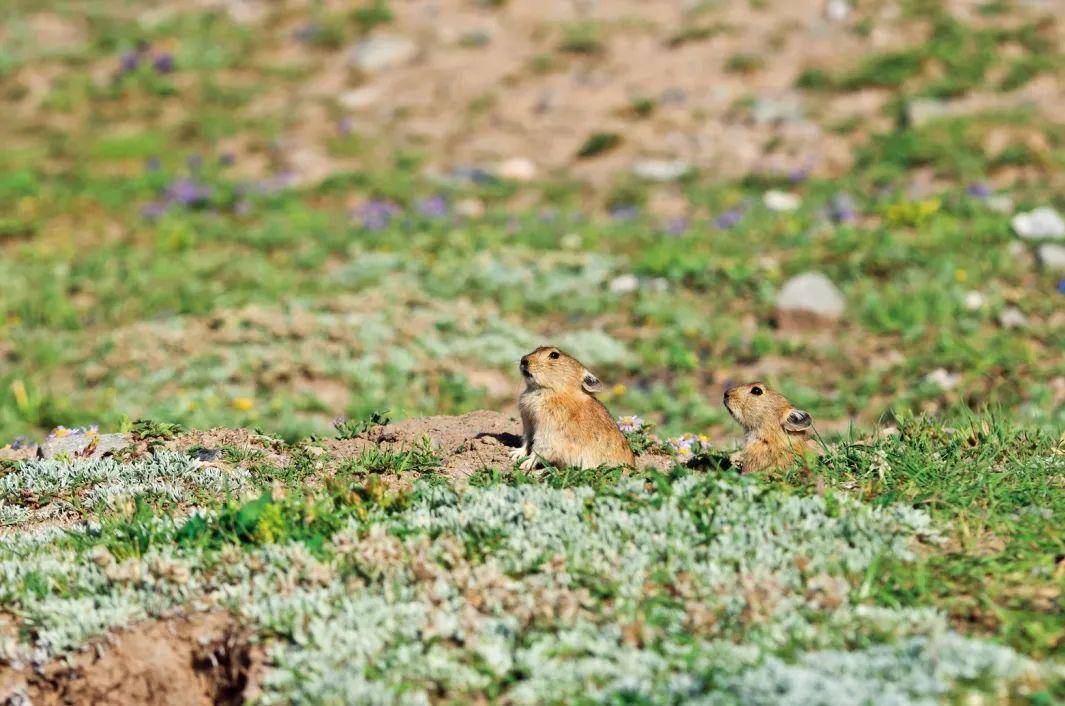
518 454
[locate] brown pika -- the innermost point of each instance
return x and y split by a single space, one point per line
777 432
564 424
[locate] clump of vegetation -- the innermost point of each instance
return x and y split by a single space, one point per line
582 38
598 143
351 428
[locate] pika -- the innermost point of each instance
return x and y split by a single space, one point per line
564 424
777 432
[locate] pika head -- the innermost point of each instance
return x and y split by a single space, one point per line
757 408
550 368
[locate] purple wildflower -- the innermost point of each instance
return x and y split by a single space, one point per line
798 174
376 214
842 209
1061 285
686 446
677 226
624 212
729 218
153 210
188 192
433 207
978 190
164 63
129 62
631 424
345 126
21 442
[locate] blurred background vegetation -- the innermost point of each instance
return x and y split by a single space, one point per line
271 214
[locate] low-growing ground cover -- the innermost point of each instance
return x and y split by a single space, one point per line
857 578
238 215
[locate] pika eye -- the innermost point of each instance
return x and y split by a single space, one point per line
553 355
756 390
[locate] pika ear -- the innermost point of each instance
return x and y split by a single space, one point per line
590 383
797 420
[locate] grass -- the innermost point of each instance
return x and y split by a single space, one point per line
151 274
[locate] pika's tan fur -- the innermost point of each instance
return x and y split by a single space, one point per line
777 432
564 424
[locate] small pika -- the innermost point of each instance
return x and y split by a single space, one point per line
564 424
776 432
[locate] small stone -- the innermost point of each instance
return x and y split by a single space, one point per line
624 284
1000 203
1052 257
516 169
768 110
781 201
206 455
943 379
359 98
974 301
809 298
921 111
837 10
661 170
76 445
1012 318
1042 223
382 52
469 208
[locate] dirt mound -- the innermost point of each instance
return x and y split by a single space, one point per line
466 443
198 660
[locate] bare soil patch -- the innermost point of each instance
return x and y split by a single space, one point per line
466 443
198 660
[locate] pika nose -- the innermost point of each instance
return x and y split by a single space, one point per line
524 365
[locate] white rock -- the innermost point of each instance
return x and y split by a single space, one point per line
943 379
516 169
1000 203
781 201
769 110
77 445
470 208
974 301
1012 317
382 52
624 284
1043 222
359 98
1052 257
837 10
921 111
661 169
811 293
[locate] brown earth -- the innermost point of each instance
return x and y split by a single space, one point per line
488 84
198 660
465 444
